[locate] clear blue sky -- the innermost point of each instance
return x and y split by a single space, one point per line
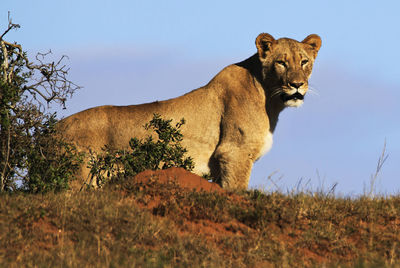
126 52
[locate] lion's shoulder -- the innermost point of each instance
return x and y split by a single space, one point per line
233 75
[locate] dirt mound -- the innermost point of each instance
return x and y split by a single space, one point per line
183 178
179 194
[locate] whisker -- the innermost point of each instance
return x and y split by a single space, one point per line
276 92
313 90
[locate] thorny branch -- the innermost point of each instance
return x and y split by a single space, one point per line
10 26
48 80
52 83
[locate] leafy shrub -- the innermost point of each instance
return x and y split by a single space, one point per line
51 162
164 152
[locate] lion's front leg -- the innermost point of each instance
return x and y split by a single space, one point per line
233 167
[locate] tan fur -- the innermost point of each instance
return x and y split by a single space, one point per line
229 122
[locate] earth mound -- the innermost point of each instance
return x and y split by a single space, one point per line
183 178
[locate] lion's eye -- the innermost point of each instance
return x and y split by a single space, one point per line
304 62
282 63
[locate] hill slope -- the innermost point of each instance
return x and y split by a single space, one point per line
175 218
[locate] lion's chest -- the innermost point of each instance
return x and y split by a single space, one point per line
268 140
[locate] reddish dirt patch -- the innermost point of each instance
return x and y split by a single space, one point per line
43 225
180 176
49 233
187 182
212 230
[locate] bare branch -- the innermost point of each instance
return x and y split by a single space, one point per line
10 27
7 47
4 64
48 80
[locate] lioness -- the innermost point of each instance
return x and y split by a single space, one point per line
229 121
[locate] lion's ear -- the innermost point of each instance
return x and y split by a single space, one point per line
264 43
314 41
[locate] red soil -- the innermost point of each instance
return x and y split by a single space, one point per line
182 177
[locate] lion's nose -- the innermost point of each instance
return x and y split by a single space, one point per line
296 85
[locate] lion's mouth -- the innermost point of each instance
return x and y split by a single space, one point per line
296 96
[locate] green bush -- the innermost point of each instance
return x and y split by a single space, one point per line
51 162
164 152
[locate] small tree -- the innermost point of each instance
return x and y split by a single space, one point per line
30 154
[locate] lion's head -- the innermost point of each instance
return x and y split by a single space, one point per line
287 66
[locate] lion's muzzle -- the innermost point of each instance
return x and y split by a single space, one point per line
296 96
292 100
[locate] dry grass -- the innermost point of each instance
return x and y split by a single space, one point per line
162 225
